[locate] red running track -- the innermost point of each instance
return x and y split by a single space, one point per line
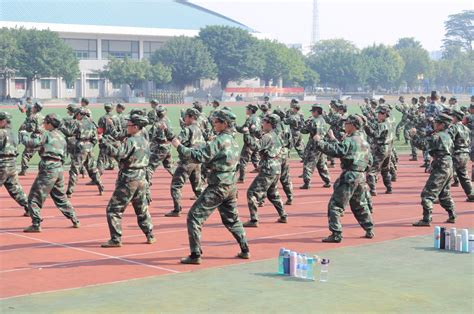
62 257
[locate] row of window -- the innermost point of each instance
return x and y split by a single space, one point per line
20 84
87 48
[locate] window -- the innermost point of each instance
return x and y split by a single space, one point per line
20 84
149 47
45 84
70 85
83 48
116 85
120 49
93 84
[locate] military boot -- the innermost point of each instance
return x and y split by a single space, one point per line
243 255
369 234
452 218
282 220
193 259
413 158
33 229
305 186
111 243
389 190
251 224
333 238
422 223
75 223
150 238
470 198
173 213
327 185
289 201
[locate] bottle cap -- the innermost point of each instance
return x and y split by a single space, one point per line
325 261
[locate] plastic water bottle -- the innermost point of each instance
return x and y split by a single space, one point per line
471 243
281 269
304 267
286 263
293 263
437 232
465 240
310 268
323 276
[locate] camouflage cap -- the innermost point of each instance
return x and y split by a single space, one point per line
197 105
215 102
5 115
401 98
340 101
355 120
443 98
266 98
138 111
294 101
161 109
414 99
295 105
84 100
342 107
443 118
273 119
383 109
71 107
120 105
264 107
138 120
464 109
459 114
453 98
434 94
279 112
80 110
422 97
333 102
374 102
382 100
108 106
252 107
224 115
38 105
53 119
154 102
192 112
316 107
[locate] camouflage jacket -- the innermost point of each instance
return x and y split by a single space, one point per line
336 122
133 156
284 132
191 136
461 137
433 110
269 148
354 152
85 133
52 146
295 121
152 115
438 144
315 126
221 156
8 147
33 123
107 128
161 133
254 125
204 125
380 134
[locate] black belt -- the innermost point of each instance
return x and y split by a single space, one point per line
50 159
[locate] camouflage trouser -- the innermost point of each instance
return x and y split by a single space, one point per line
50 181
381 165
298 144
400 126
437 187
285 179
393 163
79 160
350 189
471 155
460 171
126 191
181 174
224 198
103 159
160 154
413 149
27 154
426 157
315 160
9 178
246 155
262 185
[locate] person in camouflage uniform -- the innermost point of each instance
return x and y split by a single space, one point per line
403 109
191 137
105 134
26 107
469 122
50 179
266 182
67 123
411 114
202 121
461 137
252 123
222 156
85 133
8 154
121 117
161 133
285 135
381 150
152 114
313 157
131 185
350 188
32 125
296 121
440 146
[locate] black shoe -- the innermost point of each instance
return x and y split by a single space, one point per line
333 238
289 201
451 220
282 220
305 187
76 224
389 191
22 173
470 198
191 260
243 255
250 224
33 229
394 179
101 189
369 234
327 185
373 193
173 213
150 239
455 185
110 244
422 223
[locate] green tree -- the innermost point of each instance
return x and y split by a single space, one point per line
416 59
234 51
8 52
160 74
460 31
275 59
454 70
384 66
338 62
188 59
41 53
127 71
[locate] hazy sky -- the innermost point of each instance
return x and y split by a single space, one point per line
363 22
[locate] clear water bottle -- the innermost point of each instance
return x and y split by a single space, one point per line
281 269
323 276
310 268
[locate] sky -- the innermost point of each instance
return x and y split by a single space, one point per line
364 22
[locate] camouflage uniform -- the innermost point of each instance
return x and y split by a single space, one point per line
161 133
106 124
191 137
403 108
266 182
336 121
33 124
66 124
313 157
440 146
470 126
285 135
85 133
222 155
461 137
131 185
350 188
381 152
8 154
254 126
296 121
50 178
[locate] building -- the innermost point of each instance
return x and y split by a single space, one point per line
97 30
